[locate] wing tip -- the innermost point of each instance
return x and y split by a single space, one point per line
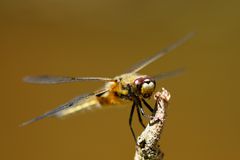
26 79
33 120
190 35
26 123
29 79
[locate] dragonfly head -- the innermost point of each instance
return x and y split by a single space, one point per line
145 86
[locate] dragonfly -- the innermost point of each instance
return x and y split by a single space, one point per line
129 87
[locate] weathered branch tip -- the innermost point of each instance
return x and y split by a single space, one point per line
147 147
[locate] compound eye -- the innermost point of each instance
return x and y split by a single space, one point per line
145 86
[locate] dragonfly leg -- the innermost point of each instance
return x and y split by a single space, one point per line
142 111
130 121
140 118
148 106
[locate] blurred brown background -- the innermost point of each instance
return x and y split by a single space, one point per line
104 38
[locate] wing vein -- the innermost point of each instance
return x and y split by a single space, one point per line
62 79
71 103
161 53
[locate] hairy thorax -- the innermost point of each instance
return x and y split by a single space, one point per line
120 91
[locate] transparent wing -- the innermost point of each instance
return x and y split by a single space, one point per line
62 79
166 75
161 53
79 103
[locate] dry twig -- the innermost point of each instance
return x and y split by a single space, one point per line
147 143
